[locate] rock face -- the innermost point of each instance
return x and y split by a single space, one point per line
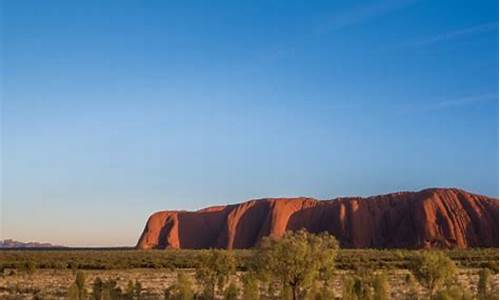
431 218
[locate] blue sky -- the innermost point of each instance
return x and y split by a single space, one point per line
114 109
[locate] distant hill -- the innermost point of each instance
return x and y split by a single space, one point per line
431 218
12 244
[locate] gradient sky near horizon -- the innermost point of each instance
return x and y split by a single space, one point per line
114 109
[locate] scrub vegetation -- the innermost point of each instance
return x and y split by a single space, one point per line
300 265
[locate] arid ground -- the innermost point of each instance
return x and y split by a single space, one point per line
48 274
53 284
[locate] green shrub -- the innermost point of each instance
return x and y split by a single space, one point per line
348 291
181 290
298 259
97 289
434 270
77 290
250 287
138 290
364 285
485 290
111 291
129 291
213 270
452 293
380 287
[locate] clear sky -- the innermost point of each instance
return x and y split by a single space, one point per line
114 109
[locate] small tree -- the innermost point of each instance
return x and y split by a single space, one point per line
362 288
348 292
366 286
433 269
111 290
214 270
77 290
133 291
138 290
482 284
129 292
484 290
297 259
181 290
97 288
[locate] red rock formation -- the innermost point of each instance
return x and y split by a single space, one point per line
426 219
